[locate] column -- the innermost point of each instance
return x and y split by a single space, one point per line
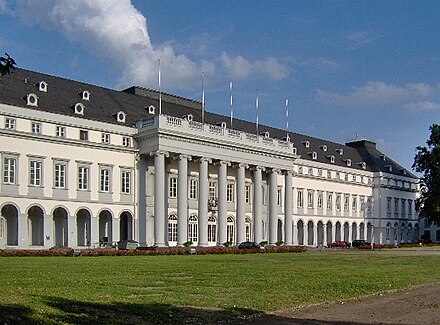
182 200
273 208
324 233
306 233
222 204
115 228
240 206
93 240
258 204
294 233
48 232
316 238
203 202
72 231
23 237
333 233
159 198
350 233
288 208
141 207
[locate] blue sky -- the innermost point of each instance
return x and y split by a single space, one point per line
366 68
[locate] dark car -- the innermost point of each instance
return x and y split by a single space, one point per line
249 245
338 243
359 242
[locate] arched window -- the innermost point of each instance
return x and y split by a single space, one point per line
230 229
247 229
212 229
172 228
192 229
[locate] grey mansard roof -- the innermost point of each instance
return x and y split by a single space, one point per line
62 95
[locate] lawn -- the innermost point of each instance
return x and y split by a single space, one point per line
194 288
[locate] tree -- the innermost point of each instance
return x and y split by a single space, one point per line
427 162
7 65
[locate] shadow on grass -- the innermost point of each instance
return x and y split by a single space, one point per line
77 312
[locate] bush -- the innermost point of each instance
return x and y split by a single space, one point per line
264 243
188 243
279 243
228 244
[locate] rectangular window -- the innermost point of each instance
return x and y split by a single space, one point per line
172 193
212 191
247 193
330 201
396 208
9 170
354 203
36 127
363 204
126 182
279 197
319 203
35 173
409 207
300 199
338 202
310 203
403 208
61 131
104 180
264 194
369 204
83 135
105 138
83 178
1 227
388 205
193 189
10 123
126 142
60 176
346 202
230 192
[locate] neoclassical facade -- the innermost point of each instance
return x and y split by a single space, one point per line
84 166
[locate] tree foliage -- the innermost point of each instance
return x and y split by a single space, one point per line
427 162
7 65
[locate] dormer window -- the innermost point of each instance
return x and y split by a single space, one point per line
85 95
151 110
42 86
341 151
32 100
314 155
188 117
323 147
120 117
222 125
79 109
306 144
294 150
286 138
348 162
332 159
265 135
404 171
363 165
389 168
383 157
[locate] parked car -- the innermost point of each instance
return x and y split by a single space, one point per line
359 242
339 243
249 245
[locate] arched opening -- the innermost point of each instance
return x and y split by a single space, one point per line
36 226
320 233
396 231
402 233
248 229
300 228
338 231
126 226
230 230
83 231
329 233
353 231
369 232
362 231
9 220
60 227
212 229
280 230
310 233
192 229
410 234
172 229
346 232
105 228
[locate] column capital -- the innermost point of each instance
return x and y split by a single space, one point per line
254 168
159 153
241 165
275 170
222 162
182 156
288 172
203 159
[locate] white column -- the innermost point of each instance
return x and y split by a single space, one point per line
23 237
203 202
141 206
350 233
273 208
94 232
324 233
182 200
72 231
333 232
258 204
115 227
222 204
306 233
48 231
240 204
316 237
288 208
294 232
159 198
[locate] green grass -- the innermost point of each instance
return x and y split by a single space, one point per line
137 289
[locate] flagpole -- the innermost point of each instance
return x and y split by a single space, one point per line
256 108
287 119
203 98
160 90
232 108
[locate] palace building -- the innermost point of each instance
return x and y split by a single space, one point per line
83 165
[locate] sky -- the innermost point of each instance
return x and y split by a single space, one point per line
349 69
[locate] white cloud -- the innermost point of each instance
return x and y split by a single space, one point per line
115 29
378 93
359 39
422 106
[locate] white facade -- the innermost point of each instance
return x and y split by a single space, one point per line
72 181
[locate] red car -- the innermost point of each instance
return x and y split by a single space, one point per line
338 243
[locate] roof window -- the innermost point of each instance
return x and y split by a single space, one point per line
222 125
313 154
362 164
120 116
323 147
341 151
294 150
32 100
389 168
79 109
151 110
85 95
332 158
286 138
266 135
348 162
306 143
42 86
188 117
